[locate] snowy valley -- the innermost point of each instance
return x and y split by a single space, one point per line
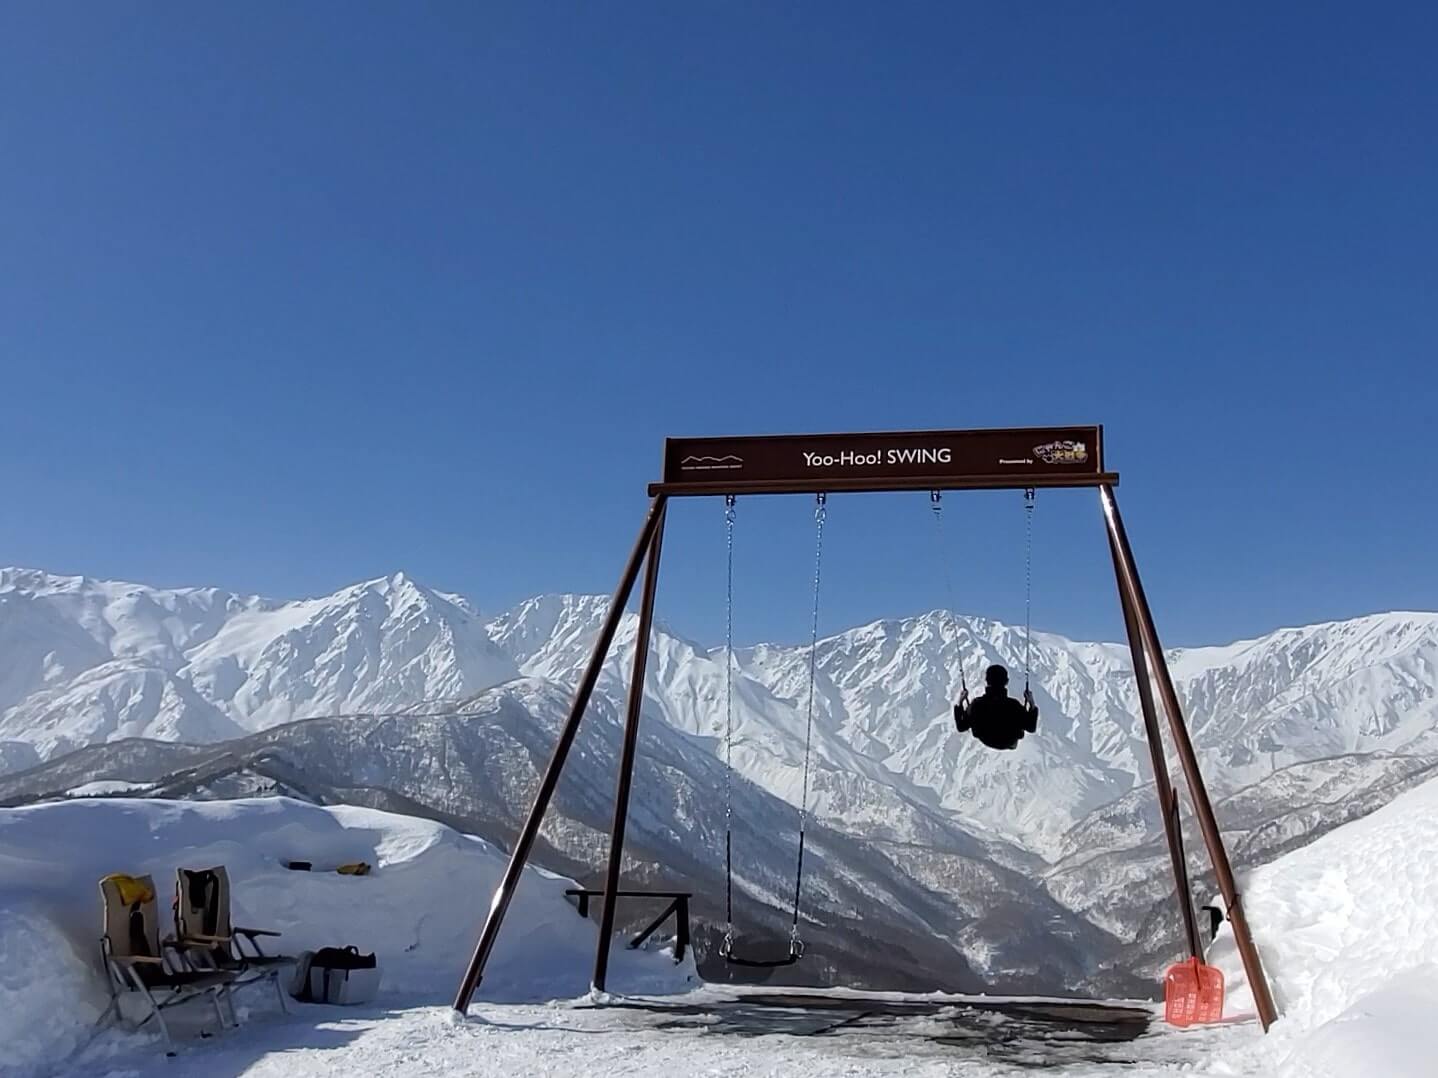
1041 868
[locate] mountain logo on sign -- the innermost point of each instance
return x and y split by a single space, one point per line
711 464
1062 452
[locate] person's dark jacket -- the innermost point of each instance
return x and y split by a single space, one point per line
997 719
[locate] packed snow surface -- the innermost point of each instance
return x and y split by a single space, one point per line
1348 928
570 1039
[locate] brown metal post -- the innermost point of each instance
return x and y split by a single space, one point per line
505 891
1198 792
626 757
1167 799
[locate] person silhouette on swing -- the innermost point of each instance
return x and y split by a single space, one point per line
996 718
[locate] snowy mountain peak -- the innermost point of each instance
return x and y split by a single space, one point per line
545 626
88 660
17 578
396 589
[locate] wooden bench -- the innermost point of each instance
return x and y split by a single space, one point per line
678 908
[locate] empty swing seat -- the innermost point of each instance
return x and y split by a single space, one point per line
796 952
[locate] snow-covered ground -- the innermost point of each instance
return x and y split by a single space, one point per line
573 1039
1348 928
418 910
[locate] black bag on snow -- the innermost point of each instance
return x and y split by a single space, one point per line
335 975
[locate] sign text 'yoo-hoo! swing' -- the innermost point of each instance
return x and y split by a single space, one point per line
1016 457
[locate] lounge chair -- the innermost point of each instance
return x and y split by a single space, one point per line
203 928
139 968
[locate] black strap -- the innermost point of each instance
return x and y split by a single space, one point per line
139 938
798 883
728 874
210 890
304 973
203 887
754 963
343 958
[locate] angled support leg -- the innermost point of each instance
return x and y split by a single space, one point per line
1188 759
626 759
1167 799
505 891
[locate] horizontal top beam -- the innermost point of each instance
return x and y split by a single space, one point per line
880 486
1012 458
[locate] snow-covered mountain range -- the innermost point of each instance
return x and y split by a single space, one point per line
884 693
1298 731
84 661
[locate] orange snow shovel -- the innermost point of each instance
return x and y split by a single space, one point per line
1192 994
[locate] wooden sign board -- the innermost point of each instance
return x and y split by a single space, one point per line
900 460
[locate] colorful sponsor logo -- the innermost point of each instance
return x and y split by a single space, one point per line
1062 452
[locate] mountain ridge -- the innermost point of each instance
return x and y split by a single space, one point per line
99 660
363 695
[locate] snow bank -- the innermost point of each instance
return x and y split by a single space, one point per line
419 909
1348 931
1386 1032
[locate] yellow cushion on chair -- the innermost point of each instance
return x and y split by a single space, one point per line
130 889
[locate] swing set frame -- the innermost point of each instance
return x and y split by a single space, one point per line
1022 458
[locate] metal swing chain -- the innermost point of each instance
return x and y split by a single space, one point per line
1029 498
936 503
727 947
796 945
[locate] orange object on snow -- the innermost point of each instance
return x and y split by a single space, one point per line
1192 994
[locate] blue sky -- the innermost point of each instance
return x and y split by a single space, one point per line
294 295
